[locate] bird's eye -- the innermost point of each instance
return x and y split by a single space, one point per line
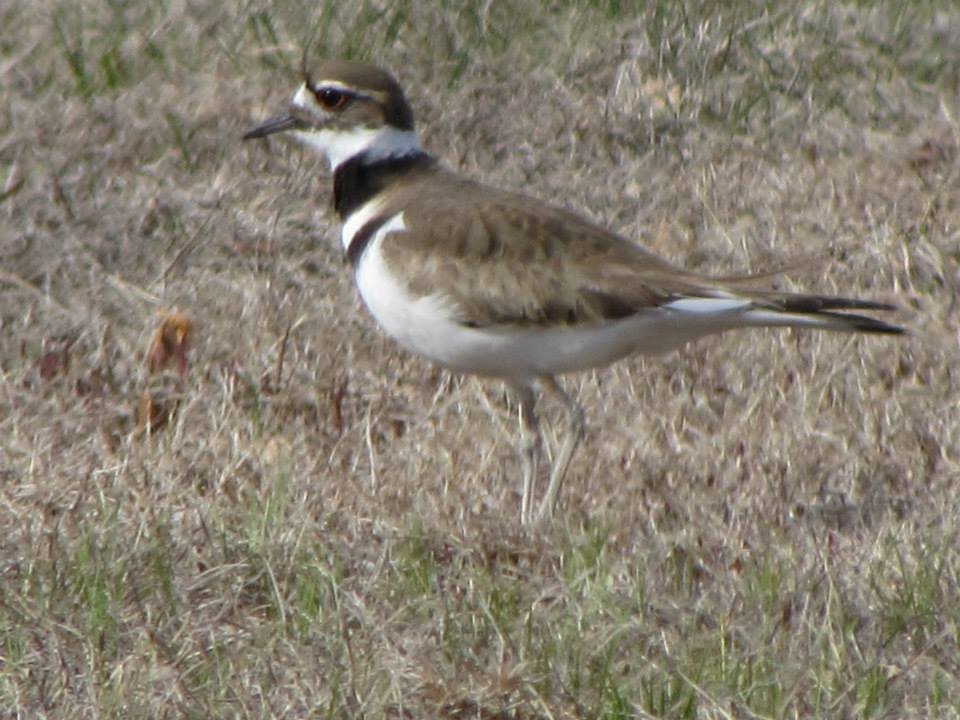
331 98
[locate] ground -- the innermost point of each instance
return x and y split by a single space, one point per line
223 493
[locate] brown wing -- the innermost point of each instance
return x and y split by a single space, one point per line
507 259
503 258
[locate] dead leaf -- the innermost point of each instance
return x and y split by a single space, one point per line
170 343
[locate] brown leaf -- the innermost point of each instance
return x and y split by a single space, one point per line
170 343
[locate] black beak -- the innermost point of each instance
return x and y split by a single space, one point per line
274 125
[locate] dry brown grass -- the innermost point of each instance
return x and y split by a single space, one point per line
309 522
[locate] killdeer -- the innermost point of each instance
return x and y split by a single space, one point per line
499 284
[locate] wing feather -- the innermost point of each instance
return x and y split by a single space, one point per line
500 258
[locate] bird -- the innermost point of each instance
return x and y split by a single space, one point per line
493 283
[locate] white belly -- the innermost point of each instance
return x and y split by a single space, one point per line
426 326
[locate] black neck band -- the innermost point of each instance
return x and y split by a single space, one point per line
357 180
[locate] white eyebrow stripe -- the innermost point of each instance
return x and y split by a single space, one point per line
303 97
337 85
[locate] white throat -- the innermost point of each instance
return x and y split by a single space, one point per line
339 145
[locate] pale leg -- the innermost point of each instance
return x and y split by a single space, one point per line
530 429
571 441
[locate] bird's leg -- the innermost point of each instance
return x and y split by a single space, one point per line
570 442
530 429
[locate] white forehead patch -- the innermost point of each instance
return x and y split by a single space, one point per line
300 98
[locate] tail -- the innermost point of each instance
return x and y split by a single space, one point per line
769 309
819 311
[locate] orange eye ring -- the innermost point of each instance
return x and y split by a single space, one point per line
331 98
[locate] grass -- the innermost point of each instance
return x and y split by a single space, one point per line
223 493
